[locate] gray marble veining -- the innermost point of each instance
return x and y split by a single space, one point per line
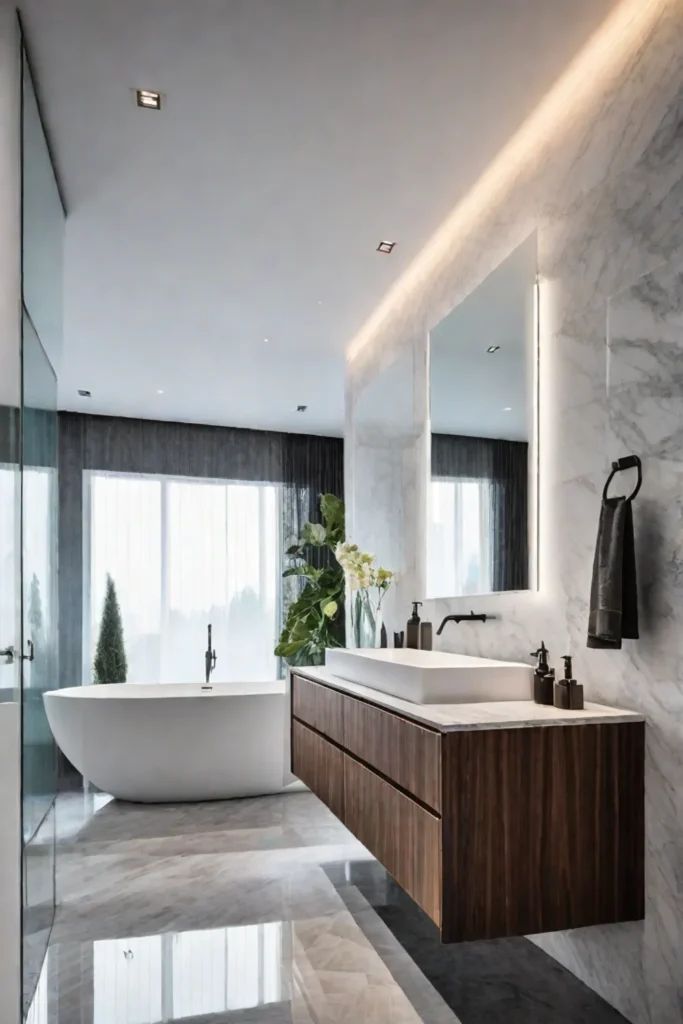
283 926
211 913
607 198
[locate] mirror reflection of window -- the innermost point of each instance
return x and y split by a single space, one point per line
460 537
482 408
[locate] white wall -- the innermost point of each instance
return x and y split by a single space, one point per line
604 184
10 339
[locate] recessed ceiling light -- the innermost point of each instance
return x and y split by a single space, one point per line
148 99
508 408
266 340
493 348
301 408
84 394
385 246
160 391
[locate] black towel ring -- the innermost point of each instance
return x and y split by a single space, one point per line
628 462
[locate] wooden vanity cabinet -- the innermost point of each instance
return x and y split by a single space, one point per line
493 832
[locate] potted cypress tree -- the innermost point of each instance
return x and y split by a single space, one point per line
110 658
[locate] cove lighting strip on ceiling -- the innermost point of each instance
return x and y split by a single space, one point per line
591 70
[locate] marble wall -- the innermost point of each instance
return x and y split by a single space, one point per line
605 189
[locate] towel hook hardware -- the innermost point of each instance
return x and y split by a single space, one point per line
628 462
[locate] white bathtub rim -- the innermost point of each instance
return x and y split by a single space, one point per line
169 691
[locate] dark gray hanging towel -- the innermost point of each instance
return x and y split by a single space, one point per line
613 612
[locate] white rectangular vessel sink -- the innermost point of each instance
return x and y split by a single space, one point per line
432 677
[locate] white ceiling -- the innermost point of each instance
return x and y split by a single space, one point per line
294 135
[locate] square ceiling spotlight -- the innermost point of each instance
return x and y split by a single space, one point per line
385 246
84 394
148 99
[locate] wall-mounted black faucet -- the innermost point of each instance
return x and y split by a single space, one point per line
463 618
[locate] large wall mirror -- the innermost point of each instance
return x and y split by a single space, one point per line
481 519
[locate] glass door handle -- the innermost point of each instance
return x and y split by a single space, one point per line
31 656
8 655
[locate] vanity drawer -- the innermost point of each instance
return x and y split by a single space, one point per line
319 765
403 751
403 836
318 706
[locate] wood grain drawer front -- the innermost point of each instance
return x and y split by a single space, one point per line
318 706
543 829
403 836
403 751
320 765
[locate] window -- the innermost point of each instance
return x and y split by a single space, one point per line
183 554
459 537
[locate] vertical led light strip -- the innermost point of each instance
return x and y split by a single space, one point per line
535 469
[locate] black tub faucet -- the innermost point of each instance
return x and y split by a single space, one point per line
463 618
209 658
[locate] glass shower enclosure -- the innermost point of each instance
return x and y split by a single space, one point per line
39 652
43 221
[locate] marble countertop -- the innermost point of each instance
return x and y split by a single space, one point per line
511 714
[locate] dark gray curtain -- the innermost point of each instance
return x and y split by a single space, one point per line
10 434
504 464
311 466
305 465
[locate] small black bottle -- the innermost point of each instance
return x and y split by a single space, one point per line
544 677
426 636
413 627
568 694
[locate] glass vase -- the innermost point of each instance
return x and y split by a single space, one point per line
366 618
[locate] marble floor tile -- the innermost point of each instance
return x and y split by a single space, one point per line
261 910
501 981
38 892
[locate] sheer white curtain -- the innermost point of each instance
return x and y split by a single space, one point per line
9 543
183 554
460 538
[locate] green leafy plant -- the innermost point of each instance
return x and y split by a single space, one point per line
315 620
110 658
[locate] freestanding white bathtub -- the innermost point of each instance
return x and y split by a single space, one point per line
176 742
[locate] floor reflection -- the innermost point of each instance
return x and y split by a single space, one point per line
265 911
169 977
38 1012
38 892
159 978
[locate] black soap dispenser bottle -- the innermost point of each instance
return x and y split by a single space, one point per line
413 627
544 677
568 693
